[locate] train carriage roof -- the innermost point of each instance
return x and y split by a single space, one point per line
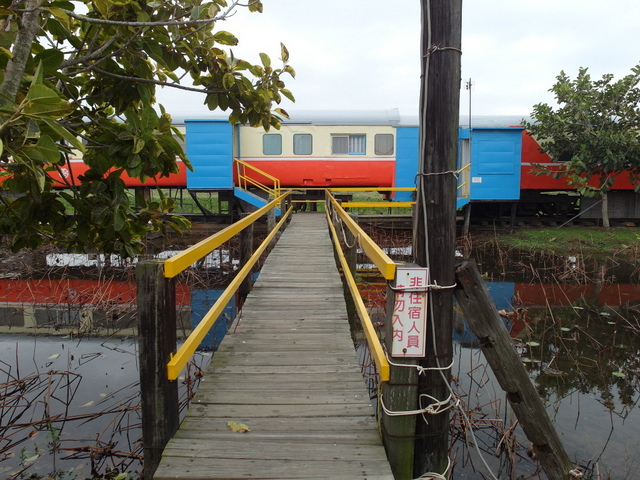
390 117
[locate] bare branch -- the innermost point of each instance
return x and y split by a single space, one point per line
155 82
223 16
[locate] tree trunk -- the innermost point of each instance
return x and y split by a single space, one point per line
605 211
28 27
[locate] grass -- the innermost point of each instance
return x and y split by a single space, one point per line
622 242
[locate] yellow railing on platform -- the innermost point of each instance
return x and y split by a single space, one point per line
176 264
385 265
244 169
375 347
464 185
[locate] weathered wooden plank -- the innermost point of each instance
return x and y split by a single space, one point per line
201 409
267 450
266 469
332 437
330 427
285 397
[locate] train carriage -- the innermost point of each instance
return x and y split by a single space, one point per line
497 162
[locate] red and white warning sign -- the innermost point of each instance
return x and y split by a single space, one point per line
409 320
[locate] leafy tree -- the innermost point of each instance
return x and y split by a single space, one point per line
595 130
81 76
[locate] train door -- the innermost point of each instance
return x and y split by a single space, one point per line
495 163
406 161
210 149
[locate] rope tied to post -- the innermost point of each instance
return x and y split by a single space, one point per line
437 48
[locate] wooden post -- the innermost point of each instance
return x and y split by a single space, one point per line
271 223
246 250
399 394
467 219
351 255
157 340
498 349
435 213
351 244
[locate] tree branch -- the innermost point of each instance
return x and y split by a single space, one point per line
226 14
155 82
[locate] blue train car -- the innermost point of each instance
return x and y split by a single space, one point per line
380 149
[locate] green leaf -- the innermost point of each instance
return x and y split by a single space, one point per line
228 81
266 61
284 53
619 374
138 144
287 94
256 6
63 133
43 101
119 218
289 69
225 38
50 59
48 149
149 119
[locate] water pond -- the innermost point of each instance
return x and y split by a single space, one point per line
72 404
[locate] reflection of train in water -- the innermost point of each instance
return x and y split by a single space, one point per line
380 150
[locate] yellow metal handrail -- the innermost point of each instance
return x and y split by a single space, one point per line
367 189
464 177
378 204
377 352
176 264
244 180
386 266
185 352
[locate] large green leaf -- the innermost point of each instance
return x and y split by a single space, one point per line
63 133
48 149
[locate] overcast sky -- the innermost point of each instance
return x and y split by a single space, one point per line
365 54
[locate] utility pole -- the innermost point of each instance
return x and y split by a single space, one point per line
435 216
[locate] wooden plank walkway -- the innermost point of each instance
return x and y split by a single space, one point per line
288 370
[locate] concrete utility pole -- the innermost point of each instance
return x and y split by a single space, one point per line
434 214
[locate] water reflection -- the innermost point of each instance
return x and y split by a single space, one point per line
576 325
71 406
580 345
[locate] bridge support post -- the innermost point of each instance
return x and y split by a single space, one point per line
399 394
246 250
271 223
157 340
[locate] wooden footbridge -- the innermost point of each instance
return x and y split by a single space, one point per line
284 397
287 373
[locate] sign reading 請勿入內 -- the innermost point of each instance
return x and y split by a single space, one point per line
409 319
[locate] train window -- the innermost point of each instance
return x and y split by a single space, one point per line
272 144
348 144
383 144
302 144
